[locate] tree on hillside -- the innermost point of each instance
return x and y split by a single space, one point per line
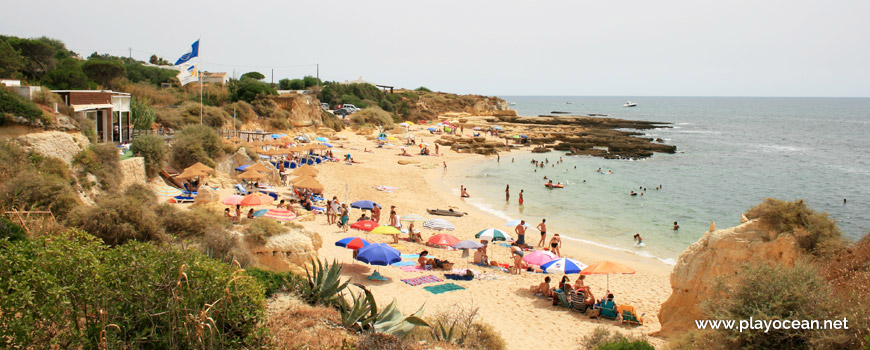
60 50
67 75
136 72
298 84
248 89
103 72
143 114
39 57
160 61
10 61
423 88
253 75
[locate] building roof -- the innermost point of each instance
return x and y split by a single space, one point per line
214 74
95 91
358 81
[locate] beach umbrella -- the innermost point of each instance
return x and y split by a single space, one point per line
409 122
251 175
476 128
607 268
233 200
300 178
412 218
496 127
443 239
167 191
381 138
365 225
540 257
260 213
493 234
255 199
386 230
404 124
258 167
378 254
306 170
564 266
364 205
279 214
392 138
438 224
431 129
515 223
468 244
190 173
327 145
516 136
309 184
322 139
352 243
201 167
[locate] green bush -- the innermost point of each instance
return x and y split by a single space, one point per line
196 222
244 112
136 72
70 291
143 114
68 75
104 72
249 89
33 190
815 232
10 231
153 149
372 117
387 106
354 100
195 143
423 88
274 282
104 161
262 228
280 124
141 193
603 339
332 121
13 104
88 128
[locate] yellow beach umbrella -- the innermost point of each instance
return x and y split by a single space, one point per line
386 230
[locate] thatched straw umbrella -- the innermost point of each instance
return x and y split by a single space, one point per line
309 184
251 175
190 173
201 167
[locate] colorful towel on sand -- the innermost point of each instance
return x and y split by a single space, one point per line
415 256
414 268
443 288
455 277
404 263
422 280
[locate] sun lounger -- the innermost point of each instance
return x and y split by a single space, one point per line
183 199
241 189
608 310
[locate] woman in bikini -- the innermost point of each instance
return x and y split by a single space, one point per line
555 244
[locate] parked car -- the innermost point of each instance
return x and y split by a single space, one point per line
349 107
324 106
342 111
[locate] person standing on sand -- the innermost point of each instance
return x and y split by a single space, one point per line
543 228
521 233
521 197
556 245
445 166
376 213
394 222
507 193
436 149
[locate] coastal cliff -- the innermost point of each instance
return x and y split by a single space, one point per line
718 257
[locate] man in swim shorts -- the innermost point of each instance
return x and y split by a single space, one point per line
521 233
543 228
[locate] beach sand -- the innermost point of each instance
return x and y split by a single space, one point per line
505 303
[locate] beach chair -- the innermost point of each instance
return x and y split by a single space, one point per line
272 194
629 315
561 299
310 161
183 199
608 310
241 189
292 165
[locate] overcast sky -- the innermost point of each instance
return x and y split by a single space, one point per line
618 48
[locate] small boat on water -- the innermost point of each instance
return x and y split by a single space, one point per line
630 104
512 103
559 112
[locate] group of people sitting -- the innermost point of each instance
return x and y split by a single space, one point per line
578 293
433 263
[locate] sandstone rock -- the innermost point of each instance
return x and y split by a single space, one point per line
407 161
718 254
206 195
54 144
290 251
133 172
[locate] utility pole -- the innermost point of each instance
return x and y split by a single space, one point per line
273 76
318 74
131 51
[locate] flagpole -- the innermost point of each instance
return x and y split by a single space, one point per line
200 80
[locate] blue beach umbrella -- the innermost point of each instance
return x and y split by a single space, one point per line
364 205
381 138
322 139
260 213
493 234
515 223
327 145
496 127
431 129
564 266
524 136
352 243
378 254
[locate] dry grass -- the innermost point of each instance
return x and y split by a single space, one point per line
154 96
301 326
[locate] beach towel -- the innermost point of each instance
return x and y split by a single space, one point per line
505 245
376 276
443 288
422 280
414 268
455 277
404 263
415 256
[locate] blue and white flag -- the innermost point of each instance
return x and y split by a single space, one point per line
188 74
194 52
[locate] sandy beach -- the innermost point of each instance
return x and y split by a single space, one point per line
506 303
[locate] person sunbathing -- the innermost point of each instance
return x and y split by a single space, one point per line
543 288
404 153
580 286
434 262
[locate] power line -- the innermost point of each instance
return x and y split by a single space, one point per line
239 65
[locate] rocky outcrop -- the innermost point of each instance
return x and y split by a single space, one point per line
227 165
479 145
54 144
719 254
290 251
133 172
304 109
205 195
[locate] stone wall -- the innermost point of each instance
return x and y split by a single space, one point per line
54 144
133 172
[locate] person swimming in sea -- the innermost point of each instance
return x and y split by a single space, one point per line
632 193
638 238
676 227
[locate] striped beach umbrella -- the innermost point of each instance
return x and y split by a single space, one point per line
493 234
167 191
412 218
564 266
280 214
352 243
438 224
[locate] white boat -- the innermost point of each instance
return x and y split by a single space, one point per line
511 103
629 104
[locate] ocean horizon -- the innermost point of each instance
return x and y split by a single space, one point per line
732 153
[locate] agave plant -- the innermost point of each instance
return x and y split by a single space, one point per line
324 285
363 315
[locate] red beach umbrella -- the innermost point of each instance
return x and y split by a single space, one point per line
365 225
443 239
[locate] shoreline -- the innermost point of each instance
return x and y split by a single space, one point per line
505 303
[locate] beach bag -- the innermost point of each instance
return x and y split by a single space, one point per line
593 312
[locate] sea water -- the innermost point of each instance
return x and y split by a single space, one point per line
732 153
